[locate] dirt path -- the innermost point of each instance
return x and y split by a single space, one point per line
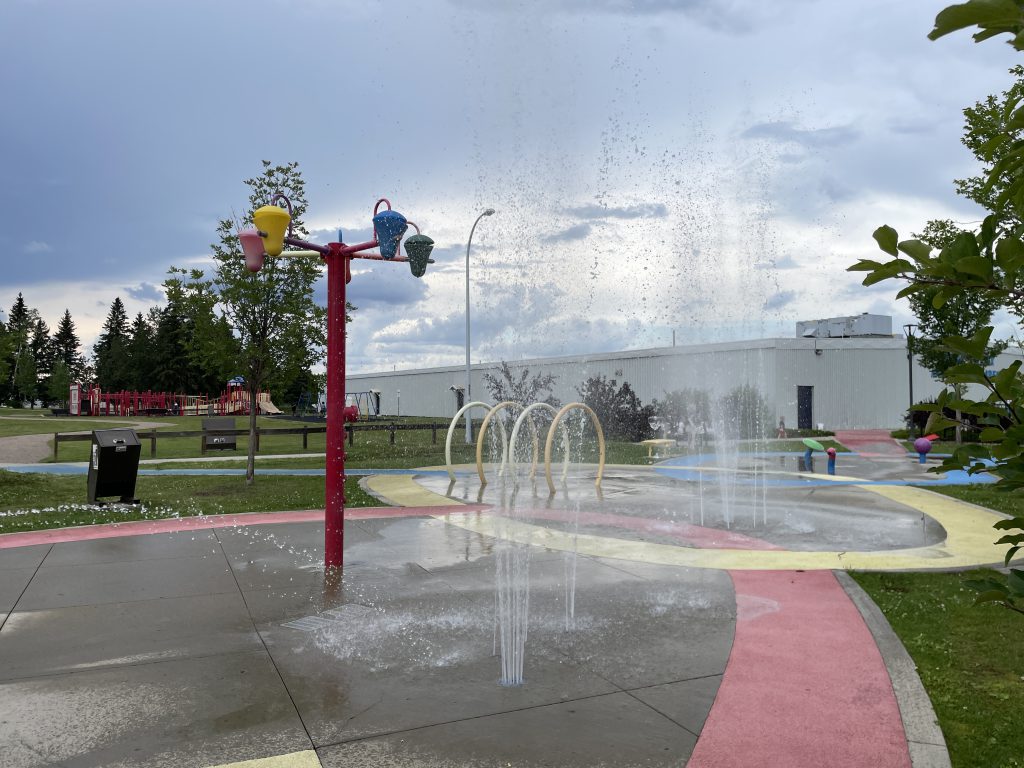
25 449
29 449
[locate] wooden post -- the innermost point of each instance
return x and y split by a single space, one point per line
391 429
257 439
202 445
55 436
305 438
433 434
152 444
351 435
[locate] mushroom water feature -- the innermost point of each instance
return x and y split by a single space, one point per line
271 232
922 445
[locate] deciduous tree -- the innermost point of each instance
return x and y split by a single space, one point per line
272 312
987 263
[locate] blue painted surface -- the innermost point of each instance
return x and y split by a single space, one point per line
680 468
689 468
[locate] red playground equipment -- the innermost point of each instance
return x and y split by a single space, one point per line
87 400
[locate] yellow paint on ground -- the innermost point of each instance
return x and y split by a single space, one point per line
305 759
969 536
403 491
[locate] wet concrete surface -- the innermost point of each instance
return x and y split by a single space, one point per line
204 647
818 516
207 647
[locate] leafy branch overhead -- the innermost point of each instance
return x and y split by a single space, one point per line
979 270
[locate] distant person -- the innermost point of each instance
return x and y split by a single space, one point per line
781 434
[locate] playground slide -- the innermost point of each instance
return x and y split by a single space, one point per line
267 406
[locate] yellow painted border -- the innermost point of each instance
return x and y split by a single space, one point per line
305 759
969 536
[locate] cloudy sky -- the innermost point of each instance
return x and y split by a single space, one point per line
702 167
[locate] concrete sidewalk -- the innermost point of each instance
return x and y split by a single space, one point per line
204 647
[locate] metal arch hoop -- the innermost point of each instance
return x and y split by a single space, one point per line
483 433
551 437
451 430
533 429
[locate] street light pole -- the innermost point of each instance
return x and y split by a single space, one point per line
468 399
909 330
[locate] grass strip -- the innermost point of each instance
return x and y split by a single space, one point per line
31 502
969 657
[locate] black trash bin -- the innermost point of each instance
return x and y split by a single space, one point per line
114 465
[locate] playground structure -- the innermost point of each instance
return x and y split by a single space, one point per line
509 442
367 404
86 400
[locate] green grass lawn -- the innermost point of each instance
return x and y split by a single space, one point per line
181 447
1010 503
970 659
35 501
14 423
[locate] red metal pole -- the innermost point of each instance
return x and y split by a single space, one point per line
334 514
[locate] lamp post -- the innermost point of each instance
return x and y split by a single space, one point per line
271 232
468 399
909 329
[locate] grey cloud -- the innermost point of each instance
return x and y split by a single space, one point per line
353 235
380 284
910 126
737 16
855 290
779 300
37 246
785 262
835 190
575 232
785 131
639 211
145 292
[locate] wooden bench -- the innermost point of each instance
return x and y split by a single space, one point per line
219 433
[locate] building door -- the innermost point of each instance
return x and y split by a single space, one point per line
804 407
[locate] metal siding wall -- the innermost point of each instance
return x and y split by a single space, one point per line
858 383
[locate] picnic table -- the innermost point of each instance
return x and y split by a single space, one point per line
657 444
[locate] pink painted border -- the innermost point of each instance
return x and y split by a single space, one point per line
805 685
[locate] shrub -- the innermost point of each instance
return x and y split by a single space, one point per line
745 414
684 407
619 410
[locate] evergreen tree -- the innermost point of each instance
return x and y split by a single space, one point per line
67 347
42 353
140 354
111 350
18 318
25 381
20 322
7 352
60 383
168 371
210 347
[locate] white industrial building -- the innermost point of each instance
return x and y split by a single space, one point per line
842 373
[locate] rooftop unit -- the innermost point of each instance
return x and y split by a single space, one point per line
845 327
